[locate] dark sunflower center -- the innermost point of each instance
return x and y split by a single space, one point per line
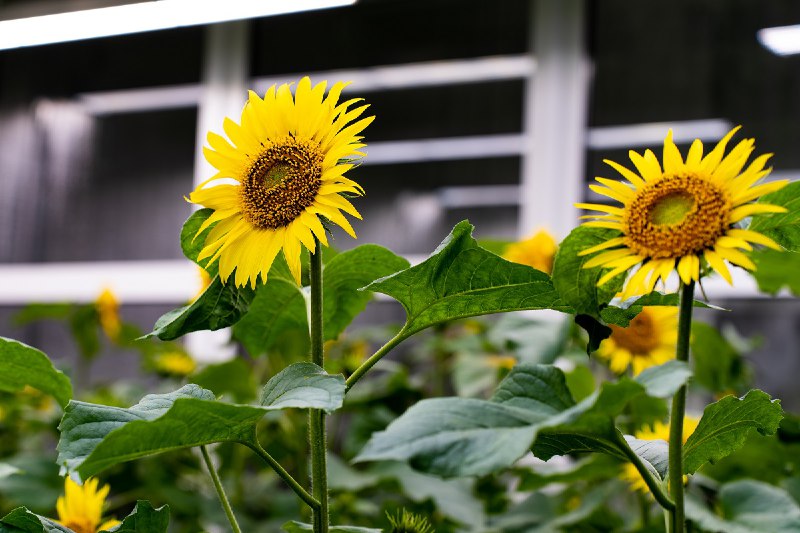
639 338
281 183
676 216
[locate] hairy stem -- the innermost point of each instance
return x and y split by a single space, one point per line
651 482
316 418
374 358
678 408
223 498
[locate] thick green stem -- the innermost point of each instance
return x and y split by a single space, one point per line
223 498
316 418
286 476
377 356
651 482
685 305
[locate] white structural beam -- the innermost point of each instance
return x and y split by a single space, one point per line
554 118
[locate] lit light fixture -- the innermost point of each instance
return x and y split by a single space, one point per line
782 40
142 17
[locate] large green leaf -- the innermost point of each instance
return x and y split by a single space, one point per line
784 228
748 506
277 315
22 365
460 279
94 437
143 519
345 274
725 425
776 270
532 407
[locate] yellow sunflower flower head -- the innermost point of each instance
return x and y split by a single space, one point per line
287 158
107 307
659 431
649 340
679 214
81 507
536 251
174 363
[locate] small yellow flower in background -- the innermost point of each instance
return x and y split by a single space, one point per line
81 508
501 361
108 311
649 340
537 251
174 363
205 281
288 157
660 431
677 216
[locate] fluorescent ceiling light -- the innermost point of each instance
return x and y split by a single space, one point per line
783 40
142 17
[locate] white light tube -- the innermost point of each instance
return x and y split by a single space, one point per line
142 17
782 40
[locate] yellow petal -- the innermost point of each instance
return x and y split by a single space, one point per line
745 211
601 207
635 180
753 236
602 246
605 257
710 162
673 162
718 265
736 257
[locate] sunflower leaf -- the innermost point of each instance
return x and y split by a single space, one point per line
220 305
530 410
345 274
725 426
748 506
94 437
143 519
22 365
783 228
460 279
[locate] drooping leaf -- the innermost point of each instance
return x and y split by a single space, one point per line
460 279
304 386
577 285
776 270
532 409
143 519
345 274
783 228
22 365
299 527
220 305
748 506
725 425
276 314
21 520
94 437
654 454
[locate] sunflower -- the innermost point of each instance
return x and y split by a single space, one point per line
659 431
81 508
683 214
107 307
536 251
287 158
174 363
649 340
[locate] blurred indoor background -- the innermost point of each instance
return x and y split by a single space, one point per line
499 112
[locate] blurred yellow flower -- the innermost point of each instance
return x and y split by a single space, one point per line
675 217
174 363
287 157
649 340
537 251
659 431
81 508
108 311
